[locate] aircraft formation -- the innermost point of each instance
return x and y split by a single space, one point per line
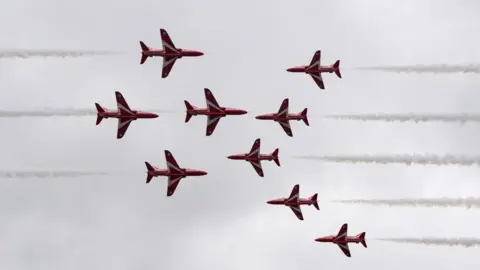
214 112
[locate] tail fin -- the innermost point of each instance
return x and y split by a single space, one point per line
336 66
150 169
314 199
144 49
362 239
275 157
304 116
189 108
99 110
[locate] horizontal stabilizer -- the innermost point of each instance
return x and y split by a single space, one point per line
275 157
314 199
99 110
304 116
150 168
336 66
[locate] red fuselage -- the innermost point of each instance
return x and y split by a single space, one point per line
186 172
333 239
285 202
253 158
181 53
226 111
304 69
137 115
275 117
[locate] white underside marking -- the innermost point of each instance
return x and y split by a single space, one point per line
172 167
123 109
166 45
172 181
317 76
169 62
122 123
256 164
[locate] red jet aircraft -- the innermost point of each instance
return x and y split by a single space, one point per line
294 202
170 53
124 114
342 239
255 158
174 172
214 112
283 117
315 69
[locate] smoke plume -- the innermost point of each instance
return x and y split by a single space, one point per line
440 68
48 174
58 113
48 112
468 202
428 159
462 118
465 242
51 53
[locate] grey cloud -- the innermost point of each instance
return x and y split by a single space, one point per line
221 221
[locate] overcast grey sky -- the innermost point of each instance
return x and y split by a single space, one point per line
222 221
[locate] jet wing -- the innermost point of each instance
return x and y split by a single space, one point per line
212 121
212 106
297 211
173 182
316 60
257 165
167 42
172 164
122 105
342 233
283 110
212 103
286 127
318 80
168 62
294 194
345 249
123 125
255 151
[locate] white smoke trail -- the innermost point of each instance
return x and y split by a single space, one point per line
428 159
48 112
48 174
51 53
465 242
440 68
59 113
462 118
468 202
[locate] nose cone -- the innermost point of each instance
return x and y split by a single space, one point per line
154 115
322 239
198 53
290 69
260 117
232 157
203 173
242 112
270 202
